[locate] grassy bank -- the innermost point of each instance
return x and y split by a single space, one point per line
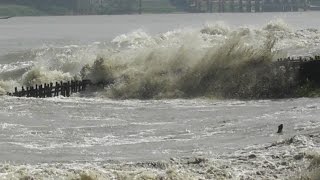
148 6
157 6
18 10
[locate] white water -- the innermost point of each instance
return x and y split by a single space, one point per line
89 134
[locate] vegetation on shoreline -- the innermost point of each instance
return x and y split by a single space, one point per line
83 7
19 10
70 7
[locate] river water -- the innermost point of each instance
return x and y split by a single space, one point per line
185 103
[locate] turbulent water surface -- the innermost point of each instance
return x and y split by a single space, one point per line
172 110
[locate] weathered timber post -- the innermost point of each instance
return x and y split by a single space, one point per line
71 87
15 91
28 92
36 91
40 92
77 89
23 92
80 85
45 90
43 93
31 91
75 86
62 89
56 89
68 89
84 84
50 89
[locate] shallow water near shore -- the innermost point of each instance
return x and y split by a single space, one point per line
96 137
111 134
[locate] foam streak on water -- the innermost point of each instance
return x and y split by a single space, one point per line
81 130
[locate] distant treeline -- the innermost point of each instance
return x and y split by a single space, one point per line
56 7
116 7
74 7
61 7
181 4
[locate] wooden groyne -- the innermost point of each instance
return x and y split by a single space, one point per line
51 89
307 69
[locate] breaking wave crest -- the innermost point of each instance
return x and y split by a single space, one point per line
215 60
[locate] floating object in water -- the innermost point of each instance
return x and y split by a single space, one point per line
280 127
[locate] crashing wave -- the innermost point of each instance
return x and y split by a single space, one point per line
215 60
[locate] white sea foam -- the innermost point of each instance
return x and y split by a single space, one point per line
168 65
288 159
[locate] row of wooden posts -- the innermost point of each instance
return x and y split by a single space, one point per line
309 67
300 59
51 90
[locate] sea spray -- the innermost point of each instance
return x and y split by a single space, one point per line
235 69
42 75
6 86
214 60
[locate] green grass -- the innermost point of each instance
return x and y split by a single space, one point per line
148 6
157 6
18 10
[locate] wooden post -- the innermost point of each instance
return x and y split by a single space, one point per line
84 85
74 87
56 89
43 93
36 92
31 91
28 92
80 85
77 86
68 89
23 92
62 89
40 91
15 91
45 90
50 90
